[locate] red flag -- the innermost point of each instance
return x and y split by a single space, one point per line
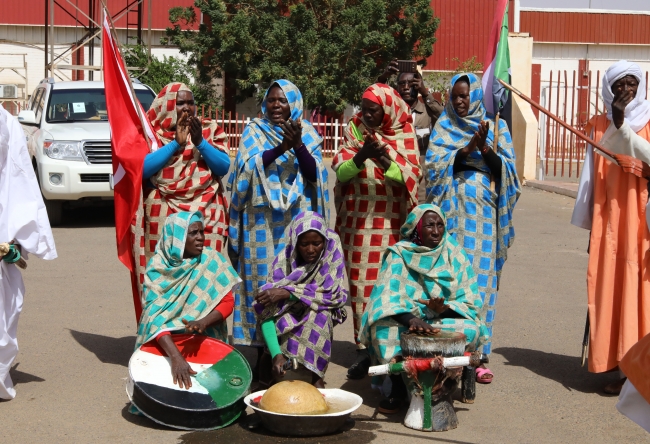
131 136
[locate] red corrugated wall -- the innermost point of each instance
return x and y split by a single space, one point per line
32 12
580 27
463 31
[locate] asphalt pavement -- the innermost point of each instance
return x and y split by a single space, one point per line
77 332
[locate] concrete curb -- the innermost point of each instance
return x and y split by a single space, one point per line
564 188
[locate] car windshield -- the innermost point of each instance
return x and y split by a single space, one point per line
74 105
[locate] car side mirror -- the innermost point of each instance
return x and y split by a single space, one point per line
27 117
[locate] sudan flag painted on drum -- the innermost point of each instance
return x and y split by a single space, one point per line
216 397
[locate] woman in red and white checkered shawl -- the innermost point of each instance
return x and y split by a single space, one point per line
183 175
377 171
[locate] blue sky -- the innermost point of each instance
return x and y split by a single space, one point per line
633 5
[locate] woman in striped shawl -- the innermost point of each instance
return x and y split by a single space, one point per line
278 174
426 284
304 297
377 171
474 180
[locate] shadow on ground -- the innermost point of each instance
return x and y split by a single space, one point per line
108 350
97 215
352 431
563 369
19 377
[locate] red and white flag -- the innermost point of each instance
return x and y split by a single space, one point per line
132 138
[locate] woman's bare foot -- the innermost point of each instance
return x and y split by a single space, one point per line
614 388
277 369
484 375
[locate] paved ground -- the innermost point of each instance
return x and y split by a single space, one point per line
77 333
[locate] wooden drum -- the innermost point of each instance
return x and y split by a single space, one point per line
431 406
216 397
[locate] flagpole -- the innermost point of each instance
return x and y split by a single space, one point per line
128 77
629 164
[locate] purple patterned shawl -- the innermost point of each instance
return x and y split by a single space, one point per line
304 325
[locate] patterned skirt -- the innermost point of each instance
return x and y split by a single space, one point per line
477 234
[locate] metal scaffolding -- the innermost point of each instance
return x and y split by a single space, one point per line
91 21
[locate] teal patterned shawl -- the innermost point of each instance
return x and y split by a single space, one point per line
177 288
410 272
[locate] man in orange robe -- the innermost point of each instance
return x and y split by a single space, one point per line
611 203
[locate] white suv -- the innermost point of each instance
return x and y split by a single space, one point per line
69 140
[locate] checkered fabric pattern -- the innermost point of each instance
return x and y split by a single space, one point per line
479 218
370 208
305 325
177 288
410 272
184 184
264 202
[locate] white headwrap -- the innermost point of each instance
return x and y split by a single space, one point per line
23 216
637 112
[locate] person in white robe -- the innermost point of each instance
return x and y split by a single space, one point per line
23 225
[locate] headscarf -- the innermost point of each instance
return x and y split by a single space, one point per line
410 272
162 115
396 130
176 288
452 133
23 216
637 112
319 285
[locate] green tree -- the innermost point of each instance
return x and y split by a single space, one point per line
331 49
158 73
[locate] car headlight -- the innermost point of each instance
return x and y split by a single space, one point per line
62 150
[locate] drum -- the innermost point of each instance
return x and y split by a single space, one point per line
216 397
432 407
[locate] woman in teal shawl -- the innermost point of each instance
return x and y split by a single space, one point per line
187 287
426 284
474 180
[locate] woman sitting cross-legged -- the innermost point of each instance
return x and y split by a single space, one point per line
187 288
426 283
304 297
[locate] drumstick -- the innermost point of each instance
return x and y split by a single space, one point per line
629 164
474 360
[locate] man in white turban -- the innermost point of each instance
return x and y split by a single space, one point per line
24 228
612 204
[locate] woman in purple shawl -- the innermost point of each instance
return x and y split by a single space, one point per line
304 297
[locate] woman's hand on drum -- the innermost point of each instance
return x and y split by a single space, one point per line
198 326
436 304
271 296
182 372
417 325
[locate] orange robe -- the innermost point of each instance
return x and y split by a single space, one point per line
618 275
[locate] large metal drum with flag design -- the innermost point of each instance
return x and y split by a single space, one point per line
216 398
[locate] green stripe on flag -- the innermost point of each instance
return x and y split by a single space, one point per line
502 59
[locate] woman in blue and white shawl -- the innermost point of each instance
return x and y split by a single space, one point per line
476 185
278 174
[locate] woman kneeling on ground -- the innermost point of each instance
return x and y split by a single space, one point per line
187 288
304 297
426 284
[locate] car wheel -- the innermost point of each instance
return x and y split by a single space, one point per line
54 211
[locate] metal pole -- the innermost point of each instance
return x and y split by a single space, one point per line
149 37
51 38
91 44
47 30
